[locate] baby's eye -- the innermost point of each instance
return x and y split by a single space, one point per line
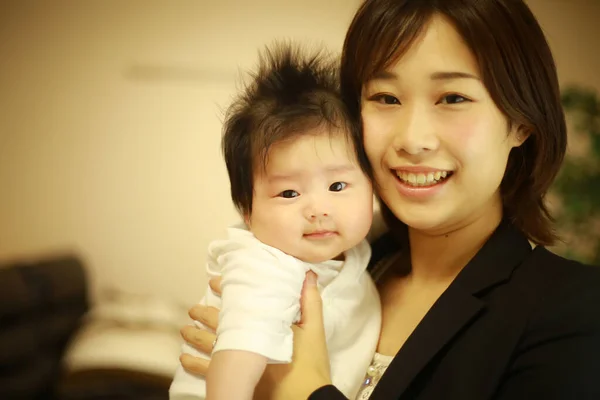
453 99
289 194
338 186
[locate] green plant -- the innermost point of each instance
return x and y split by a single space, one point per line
577 186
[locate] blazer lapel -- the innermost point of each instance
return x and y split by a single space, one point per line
455 308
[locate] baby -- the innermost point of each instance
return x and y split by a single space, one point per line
300 180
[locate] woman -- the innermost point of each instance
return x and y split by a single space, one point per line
463 126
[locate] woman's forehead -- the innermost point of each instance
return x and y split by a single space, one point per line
438 51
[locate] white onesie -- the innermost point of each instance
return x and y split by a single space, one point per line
261 300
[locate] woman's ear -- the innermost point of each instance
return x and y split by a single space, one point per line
519 135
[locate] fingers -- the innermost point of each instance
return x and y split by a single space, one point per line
209 316
198 338
194 365
311 303
215 285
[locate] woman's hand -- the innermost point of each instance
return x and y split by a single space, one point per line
199 338
310 367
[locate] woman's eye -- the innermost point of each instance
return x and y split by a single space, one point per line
289 194
385 99
337 186
453 99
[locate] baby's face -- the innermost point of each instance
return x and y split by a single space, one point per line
313 201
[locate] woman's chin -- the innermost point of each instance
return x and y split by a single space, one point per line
422 219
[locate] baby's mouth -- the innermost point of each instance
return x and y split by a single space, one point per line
320 234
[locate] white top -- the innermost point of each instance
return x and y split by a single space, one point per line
380 362
374 373
261 300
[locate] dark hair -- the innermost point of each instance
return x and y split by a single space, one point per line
290 94
517 69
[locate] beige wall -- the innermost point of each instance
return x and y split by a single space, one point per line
109 122
573 31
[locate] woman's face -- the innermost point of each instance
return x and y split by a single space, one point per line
437 142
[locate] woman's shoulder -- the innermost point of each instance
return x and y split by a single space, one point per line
554 271
564 293
559 350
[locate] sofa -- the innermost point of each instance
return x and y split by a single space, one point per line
43 307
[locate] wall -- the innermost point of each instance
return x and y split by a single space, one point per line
572 29
109 123
110 128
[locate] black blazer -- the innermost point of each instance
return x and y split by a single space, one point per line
516 323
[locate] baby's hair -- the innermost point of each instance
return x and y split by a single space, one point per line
292 93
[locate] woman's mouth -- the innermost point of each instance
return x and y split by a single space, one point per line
423 179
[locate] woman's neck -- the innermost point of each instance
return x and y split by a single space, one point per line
441 256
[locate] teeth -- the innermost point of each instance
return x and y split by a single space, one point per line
422 179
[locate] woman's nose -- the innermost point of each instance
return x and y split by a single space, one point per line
415 133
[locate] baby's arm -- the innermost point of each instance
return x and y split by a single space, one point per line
233 374
260 301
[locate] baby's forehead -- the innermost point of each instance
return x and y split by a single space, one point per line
312 149
310 155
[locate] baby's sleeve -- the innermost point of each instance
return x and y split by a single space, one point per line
261 298
185 385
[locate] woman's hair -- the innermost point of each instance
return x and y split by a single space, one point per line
291 93
517 69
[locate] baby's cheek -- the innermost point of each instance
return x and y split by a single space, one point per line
275 224
359 216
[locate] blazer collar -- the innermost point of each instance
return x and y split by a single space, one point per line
494 263
456 307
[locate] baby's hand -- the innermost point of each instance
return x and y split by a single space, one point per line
202 340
